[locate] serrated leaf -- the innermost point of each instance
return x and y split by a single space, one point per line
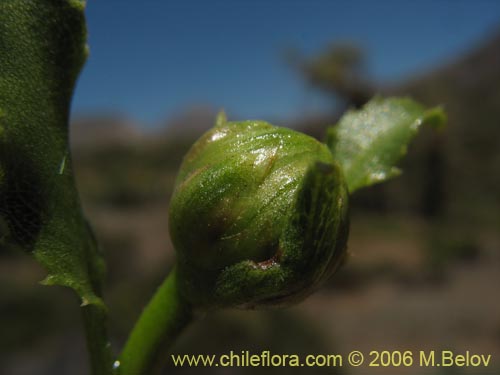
42 49
369 142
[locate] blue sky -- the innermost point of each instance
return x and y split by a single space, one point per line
154 59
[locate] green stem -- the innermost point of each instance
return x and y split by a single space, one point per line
101 358
163 319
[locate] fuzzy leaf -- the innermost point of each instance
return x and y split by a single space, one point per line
42 49
369 142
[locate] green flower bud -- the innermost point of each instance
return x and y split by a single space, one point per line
258 216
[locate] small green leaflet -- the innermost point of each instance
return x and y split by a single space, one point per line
369 142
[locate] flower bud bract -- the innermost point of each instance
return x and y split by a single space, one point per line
258 216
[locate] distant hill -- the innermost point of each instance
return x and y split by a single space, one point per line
98 131
194 121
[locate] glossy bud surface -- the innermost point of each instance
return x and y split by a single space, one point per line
258 216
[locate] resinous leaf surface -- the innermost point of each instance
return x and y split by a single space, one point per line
369 142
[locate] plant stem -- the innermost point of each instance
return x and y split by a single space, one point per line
163 319
101 358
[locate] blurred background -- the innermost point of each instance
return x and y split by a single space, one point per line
425 259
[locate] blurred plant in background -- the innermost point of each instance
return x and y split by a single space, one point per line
339 70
